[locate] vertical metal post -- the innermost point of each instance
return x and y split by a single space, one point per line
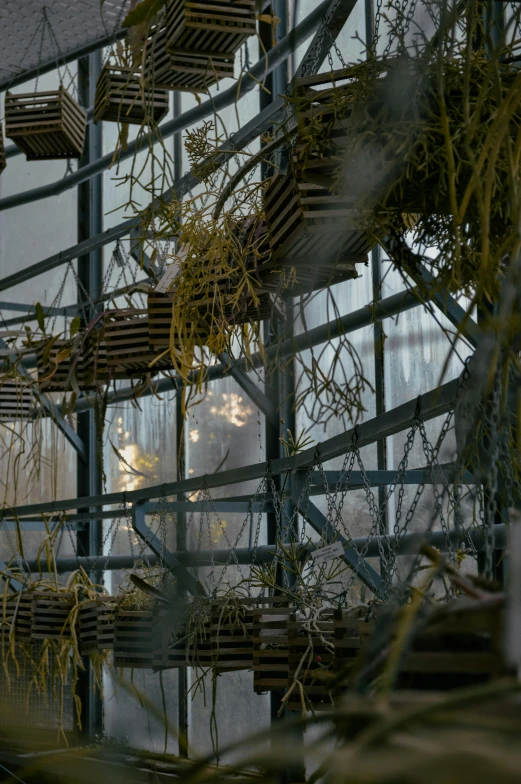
181 541
90 270
378 333
379 384
279 387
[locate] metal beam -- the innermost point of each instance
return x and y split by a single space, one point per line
249 81
265 553
139 525
429 405
255 393
354 480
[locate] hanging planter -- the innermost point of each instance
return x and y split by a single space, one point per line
313 231
231 635
270 646
60 364
16 399
189 71
96 626
47 125
461 649
438 164
309 656
96 368
3 160
122 97
190 646
208 26
18 616
51 616
134 638
126 333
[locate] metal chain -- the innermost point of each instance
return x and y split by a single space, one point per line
310 63
490 517
432 461
338 53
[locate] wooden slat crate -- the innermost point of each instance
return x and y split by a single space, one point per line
54 377
126 334
3 160
319 657
461 649
231 635
46 126
270 646
96 626
51 613
19 610
160 319
312 230
190 647
189 71
16 399
134 638
323 103
95 365
221 309
209 26
328 103
120 97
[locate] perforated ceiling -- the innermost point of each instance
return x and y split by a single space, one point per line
74 23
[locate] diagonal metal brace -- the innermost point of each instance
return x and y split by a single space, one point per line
321 524
181 574
256 395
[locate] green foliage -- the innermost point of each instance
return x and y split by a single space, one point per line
144 12
40 317
75 325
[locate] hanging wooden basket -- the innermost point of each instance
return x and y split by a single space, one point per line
47 125
18 616
121 97
231 636
96 368
189 71
208 25
270 645
134 638
189 647
159 310
96 626
51 616
60 365
308 658
126 333
461 649
312 230
16 399
3 160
